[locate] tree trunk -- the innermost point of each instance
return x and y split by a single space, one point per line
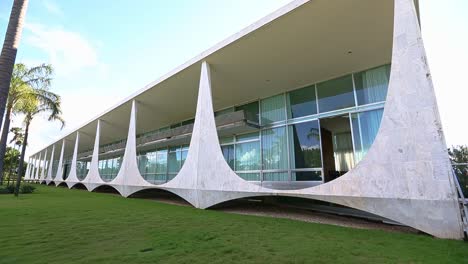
3 141
10 48
21 161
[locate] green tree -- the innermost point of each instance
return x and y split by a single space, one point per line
25 82
18 137
458 154
9 50
49 104
12 156
459 157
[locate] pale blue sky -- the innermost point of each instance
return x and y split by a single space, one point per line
111 48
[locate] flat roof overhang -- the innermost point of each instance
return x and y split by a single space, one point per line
303 43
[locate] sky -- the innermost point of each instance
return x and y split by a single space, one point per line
112 48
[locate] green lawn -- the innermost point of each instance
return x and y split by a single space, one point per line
57 225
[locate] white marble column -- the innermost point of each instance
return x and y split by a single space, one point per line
93 179
59 177
72 178
51 163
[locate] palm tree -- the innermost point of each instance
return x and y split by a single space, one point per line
24 83
10 48
18 136
49 103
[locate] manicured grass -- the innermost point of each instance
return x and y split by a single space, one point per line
57 225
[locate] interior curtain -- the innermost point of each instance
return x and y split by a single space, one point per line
370 123
343 150
273 109
375 84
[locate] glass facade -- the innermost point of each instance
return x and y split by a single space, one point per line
290 146
305 145
66 167
251 111
335 94
302 102
161 165
273 109
82 168
365 128
300 137
109 168
55 168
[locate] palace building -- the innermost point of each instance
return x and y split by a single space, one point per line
328 100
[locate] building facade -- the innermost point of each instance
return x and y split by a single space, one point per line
325 100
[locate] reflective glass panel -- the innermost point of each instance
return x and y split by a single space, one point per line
302 102
228 153
335 94
250 110
305 145
274 147
275 176
247 156
247 137
306 176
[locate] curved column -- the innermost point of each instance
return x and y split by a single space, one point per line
44 167
72 178
33 169
93 179
59 177
129 179
51 162
205 178
36 176
28 168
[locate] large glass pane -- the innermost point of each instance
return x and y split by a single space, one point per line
82 168
173 162
161 161
55 168
372 85
356 137
304 141
274 147
306 176
228 153
247 156
151 168
302 102
273 109
247 137
275 176
248 176
335 94
183 157
142 163
250 110
368 124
